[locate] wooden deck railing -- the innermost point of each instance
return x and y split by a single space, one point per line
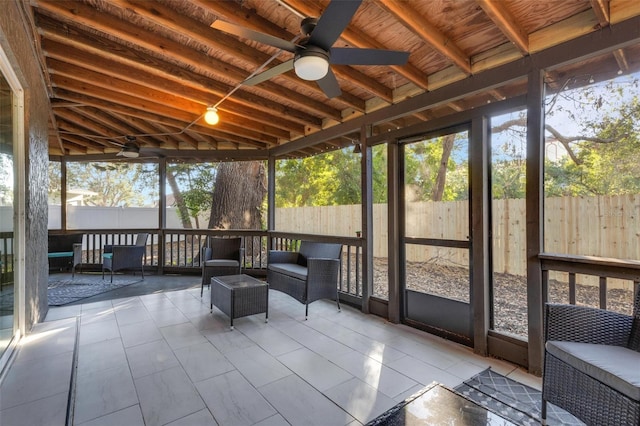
178 251
601 267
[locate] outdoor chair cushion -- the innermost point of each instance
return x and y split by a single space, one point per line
615 366
291 270
222 262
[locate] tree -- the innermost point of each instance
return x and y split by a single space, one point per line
192 187
238 196
116 184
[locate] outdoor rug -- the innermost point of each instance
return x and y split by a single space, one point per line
66 291
512 400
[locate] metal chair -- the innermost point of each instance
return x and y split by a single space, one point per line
125 257
221 256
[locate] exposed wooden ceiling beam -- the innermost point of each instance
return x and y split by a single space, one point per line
76 13
140 92
501 16
418 24
354 37
601 9
167 17
64 57
102 98
621 59
81 48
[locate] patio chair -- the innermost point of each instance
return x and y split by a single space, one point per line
592 363
221 256
125 257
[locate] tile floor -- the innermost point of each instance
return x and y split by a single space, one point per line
164 359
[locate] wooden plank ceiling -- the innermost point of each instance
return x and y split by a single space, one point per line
150 68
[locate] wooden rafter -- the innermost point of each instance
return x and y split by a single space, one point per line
500 15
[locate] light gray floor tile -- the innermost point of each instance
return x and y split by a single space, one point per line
300 404
313 368
233 401
258 366
167 396
150 358
374 349
89 316
404 395
98 332
268 338
101 356
49 411
181 335
226 340
103 393
127 302
384 379
465 370
360 400
139 333
30 380
104 304
523 377
48 338
437 356
202 361
166 317
424 373
316 341
276 420
199 418
132 315
130 416
61 312
157 303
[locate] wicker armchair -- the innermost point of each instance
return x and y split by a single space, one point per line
125 257
307 275
592 364
221 256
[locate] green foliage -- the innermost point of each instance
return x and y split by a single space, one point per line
195 183
115 184
328 179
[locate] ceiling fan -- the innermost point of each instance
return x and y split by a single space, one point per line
131 149
314 52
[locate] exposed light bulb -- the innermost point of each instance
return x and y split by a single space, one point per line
211 116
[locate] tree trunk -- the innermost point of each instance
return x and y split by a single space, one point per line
183 212
441 178
238 196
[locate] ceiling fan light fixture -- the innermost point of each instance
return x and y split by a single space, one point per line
211 116
311 64
130 150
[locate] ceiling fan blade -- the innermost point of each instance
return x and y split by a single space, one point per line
351 56
329 85
271 72
243 32
333 21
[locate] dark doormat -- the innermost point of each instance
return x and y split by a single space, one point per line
68 290
517 402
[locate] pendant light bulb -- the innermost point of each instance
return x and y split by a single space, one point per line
211 116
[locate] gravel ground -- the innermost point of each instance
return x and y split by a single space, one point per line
510 292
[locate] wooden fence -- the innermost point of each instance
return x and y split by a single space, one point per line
604 226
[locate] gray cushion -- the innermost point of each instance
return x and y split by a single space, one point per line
290 269
615 366
221 262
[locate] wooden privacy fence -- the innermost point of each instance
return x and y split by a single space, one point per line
604 226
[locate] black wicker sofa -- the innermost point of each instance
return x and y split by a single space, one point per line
592 363
307 275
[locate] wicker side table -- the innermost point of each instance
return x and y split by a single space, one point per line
240 296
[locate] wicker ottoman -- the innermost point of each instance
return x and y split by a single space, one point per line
240 296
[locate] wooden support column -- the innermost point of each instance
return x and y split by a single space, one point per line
271 196
480 236
63 194
393 230
535 217
366 181
162 211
